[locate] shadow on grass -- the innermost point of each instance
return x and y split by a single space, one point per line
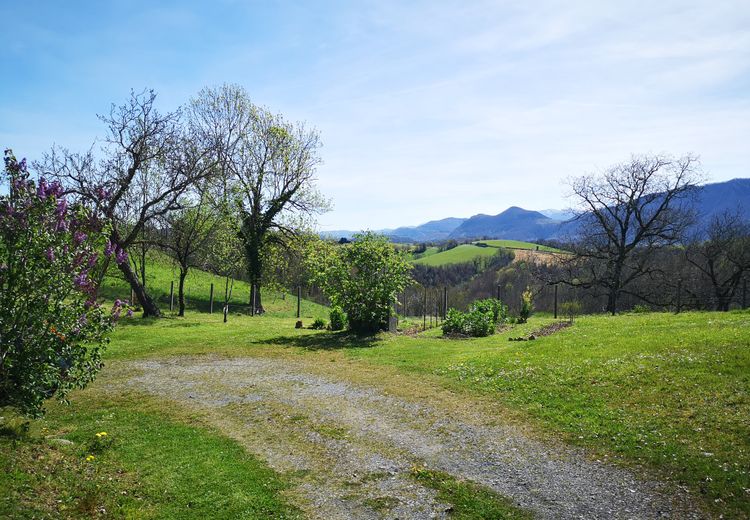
325 341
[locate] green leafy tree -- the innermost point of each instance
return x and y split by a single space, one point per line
268 163
362 277
52 331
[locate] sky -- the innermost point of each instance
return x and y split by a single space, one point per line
426 109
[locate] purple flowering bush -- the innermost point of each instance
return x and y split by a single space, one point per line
52 330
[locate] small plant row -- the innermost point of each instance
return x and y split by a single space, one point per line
481 320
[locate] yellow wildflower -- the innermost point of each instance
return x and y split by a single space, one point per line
90 458
101 434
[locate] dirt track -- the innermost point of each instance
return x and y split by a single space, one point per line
351 447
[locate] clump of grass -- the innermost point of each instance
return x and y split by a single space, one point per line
469 501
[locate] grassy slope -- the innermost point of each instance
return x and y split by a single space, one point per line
457 255
160 271
667 392
468 252
518 244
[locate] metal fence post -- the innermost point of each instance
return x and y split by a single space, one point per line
171 295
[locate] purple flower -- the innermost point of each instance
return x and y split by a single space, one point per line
41 190
79 237
129 314
50 254
54 189
82 280
102 194
121 256
62 207
109 248
92 260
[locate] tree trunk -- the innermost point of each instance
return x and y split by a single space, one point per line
255 271
181 291
149 306
143 267
612 301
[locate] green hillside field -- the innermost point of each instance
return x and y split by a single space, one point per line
161 271
468 252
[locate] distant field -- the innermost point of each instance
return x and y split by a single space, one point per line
517 244
468 252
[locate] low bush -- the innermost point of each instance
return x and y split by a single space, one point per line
527 305
338 318
318 324
480 321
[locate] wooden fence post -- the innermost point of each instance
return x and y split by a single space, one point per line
211 300
171 295
555 301
299 299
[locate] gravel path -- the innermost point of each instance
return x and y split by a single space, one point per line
353 447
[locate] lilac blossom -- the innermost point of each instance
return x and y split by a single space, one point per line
121 256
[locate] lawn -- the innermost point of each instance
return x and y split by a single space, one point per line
669 394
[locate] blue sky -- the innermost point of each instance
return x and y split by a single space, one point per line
427 109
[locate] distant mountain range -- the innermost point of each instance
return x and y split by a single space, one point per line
520 224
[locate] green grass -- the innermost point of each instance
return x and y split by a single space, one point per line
669 393
457 255
427 252
468 252
666 393
469 501
157 466
161 271
518 244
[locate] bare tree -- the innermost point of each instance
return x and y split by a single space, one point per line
187 231
624 216
269 163
144 173
721 254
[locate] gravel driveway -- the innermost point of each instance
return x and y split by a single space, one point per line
351 447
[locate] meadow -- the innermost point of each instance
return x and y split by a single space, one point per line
667 395
432 256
